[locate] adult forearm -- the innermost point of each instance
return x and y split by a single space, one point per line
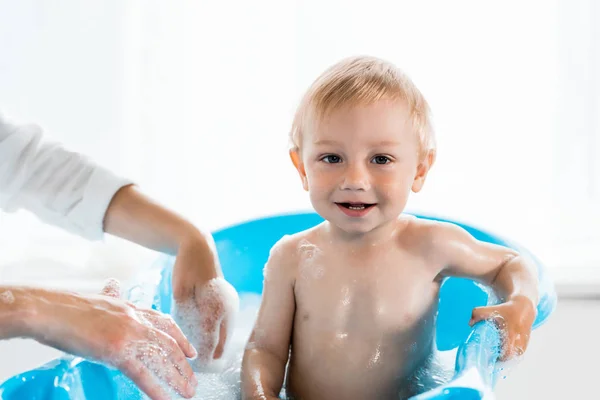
133 216
16 310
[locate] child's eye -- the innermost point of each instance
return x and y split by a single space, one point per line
381 160
332 159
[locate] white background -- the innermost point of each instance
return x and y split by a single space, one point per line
194 100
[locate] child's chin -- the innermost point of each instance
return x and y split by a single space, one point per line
359 227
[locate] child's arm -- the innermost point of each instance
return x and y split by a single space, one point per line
266 354
512 276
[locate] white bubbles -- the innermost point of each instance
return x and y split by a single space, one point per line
308 250
219 289
500 323
222 379
190 318
202 317
219 386
310 260
7 297
436 371
153 356
112 287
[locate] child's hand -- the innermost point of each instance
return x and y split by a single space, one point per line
515 318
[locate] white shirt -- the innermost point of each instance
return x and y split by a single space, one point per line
62 188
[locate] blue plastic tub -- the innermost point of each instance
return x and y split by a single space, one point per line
243 250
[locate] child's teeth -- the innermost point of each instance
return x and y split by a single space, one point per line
357 207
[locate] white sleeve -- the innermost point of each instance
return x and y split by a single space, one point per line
62 188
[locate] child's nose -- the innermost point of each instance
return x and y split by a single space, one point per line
356 178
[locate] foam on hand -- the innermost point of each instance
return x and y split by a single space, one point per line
7 297
221 380
202 317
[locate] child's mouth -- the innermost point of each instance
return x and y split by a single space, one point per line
355 209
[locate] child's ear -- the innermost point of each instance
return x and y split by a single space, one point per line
297 160
422 171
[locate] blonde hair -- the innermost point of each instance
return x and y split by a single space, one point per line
362 80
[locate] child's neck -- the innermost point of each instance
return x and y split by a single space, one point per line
378 236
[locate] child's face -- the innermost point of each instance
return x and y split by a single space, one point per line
360 164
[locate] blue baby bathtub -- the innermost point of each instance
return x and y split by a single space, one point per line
243 250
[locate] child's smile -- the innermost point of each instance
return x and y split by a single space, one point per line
355 210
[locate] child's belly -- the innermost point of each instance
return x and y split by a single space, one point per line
360 333
368 360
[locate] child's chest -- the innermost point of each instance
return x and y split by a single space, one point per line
388 290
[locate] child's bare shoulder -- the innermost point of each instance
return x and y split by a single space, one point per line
286 252
422 233
436 241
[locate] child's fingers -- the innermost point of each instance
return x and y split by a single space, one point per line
207 348
487 313
506 350
480 314
514 338
209 335
510 350
514 346
222 339
520 344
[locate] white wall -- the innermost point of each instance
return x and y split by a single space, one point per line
512 87
561 361
61 66
194 100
